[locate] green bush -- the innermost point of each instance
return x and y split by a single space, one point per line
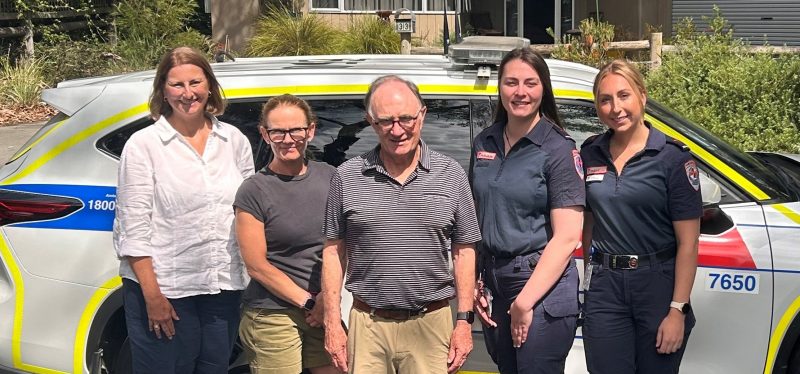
281 33
370 35
21 83
149 28
751 100
63 58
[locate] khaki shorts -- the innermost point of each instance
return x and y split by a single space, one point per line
281 342
377 345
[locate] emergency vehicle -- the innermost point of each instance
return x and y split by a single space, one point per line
60 305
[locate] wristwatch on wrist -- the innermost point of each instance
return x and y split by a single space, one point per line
466 316
309 304
684 308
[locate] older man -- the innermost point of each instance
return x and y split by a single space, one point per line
392 215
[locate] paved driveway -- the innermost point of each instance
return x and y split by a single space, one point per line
14 136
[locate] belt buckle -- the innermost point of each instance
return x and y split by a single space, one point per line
633 262
625 262
417 312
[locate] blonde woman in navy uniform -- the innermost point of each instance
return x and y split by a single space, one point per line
642 225
528 186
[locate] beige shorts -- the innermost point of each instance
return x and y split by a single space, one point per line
377 345
281 342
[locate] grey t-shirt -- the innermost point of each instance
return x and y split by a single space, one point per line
293 210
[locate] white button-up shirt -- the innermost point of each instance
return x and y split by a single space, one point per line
176 206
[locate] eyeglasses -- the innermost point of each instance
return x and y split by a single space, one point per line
405 121
297 134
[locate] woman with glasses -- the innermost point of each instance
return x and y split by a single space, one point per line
279 216
527 180
182 275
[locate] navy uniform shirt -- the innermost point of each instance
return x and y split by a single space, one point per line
514 193
634 210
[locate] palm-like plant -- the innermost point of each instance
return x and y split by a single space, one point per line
282 33
370 35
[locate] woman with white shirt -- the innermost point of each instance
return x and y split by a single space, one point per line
173 231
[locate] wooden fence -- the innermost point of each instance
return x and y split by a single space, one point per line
61 15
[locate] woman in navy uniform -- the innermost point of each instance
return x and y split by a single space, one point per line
527 181
642 221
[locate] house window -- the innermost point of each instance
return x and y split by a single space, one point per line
415 5
434 5
325 4
373 5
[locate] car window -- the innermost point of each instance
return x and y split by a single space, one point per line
113 143
579 119
342 132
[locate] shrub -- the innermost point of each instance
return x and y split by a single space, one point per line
63 58
370 35
280 33
21 83
750 100
148 28
590 48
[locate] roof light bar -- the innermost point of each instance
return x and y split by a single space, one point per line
485 50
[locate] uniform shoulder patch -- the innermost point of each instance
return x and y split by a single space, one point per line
692 174
576 158
589 140
678 143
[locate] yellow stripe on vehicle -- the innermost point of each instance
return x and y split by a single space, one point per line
789 213
573 94
777 335
19 297
26 149
360 89
712 160
85 323
355 89
75 139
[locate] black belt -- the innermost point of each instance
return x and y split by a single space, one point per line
399 314
631 261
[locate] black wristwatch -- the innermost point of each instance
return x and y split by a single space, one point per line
309 304
684 308
466 316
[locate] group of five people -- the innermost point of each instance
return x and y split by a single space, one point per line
193 215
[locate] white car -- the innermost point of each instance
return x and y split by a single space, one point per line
60 306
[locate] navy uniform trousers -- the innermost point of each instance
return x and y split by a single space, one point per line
623 309
552 332
204 335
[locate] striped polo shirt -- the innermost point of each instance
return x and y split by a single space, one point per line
397 236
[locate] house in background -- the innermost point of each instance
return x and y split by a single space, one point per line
776 21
